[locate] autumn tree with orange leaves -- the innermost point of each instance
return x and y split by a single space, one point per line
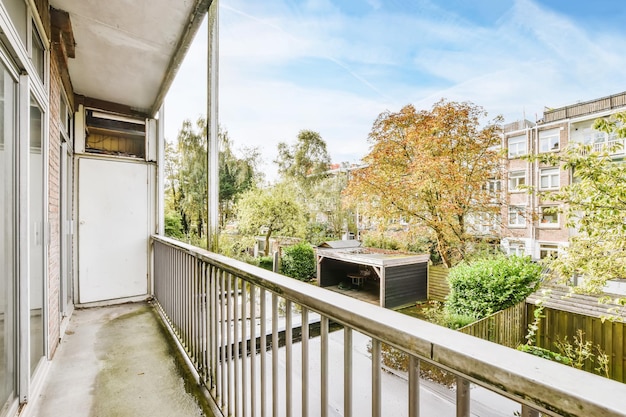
431 167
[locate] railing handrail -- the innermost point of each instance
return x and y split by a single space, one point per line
527 379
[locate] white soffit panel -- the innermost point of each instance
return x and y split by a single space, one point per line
124 47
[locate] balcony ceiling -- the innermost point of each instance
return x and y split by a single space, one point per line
127 51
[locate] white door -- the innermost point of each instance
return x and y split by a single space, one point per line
113 231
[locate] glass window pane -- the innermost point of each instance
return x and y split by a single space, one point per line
7 236
36 245
38 55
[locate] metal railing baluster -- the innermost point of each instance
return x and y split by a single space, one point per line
253 352
347 372
263 351
244 348
324 367
274 355
288 359
236 357
414 386
376 367
462 397
305 361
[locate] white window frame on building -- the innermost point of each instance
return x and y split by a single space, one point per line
520 218
552 176
517 248
517 146
549 216
514 180
549 140
548 250
494 186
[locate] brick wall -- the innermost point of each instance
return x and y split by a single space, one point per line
54 180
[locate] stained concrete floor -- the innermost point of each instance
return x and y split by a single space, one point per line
117 362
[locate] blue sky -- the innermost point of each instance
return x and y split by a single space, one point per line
334 66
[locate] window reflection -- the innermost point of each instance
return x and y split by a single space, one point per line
36 235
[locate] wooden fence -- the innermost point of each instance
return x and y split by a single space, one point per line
506 327
438 287
608 335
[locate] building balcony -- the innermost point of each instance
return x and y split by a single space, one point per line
258 344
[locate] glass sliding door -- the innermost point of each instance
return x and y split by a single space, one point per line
36 236
8 293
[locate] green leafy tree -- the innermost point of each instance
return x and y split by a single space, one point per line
236 175
595 206
431 167
485 286
298 261
186 180
305 164
270 212
192 176
304 161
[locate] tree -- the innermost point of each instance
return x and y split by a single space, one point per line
595 206
236 175
269 211
192 176
431 168
186 179
305 161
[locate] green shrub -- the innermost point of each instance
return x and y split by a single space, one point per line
438 314
380 241
485 286
173 225
545 353
266 262
298 261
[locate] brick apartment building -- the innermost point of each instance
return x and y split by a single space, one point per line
529 223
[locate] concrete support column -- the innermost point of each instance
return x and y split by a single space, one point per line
212 125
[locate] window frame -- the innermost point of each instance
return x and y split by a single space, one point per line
514 176
550 173
517 246
556 224
549 135
519 214
519 140
548 248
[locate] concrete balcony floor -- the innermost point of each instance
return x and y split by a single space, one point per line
118 361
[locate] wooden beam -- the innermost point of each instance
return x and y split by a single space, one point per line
62 43
62 26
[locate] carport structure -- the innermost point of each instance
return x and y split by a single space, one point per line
395 278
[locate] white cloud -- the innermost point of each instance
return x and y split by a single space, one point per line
286 67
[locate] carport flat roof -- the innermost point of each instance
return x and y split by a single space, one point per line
370 256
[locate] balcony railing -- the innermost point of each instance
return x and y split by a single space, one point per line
264 344
613 146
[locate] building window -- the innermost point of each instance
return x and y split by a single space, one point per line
517 146
549 216
112 134
549 140
516 216
517 248
494 186
548 250
516 180
38 54
549 179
